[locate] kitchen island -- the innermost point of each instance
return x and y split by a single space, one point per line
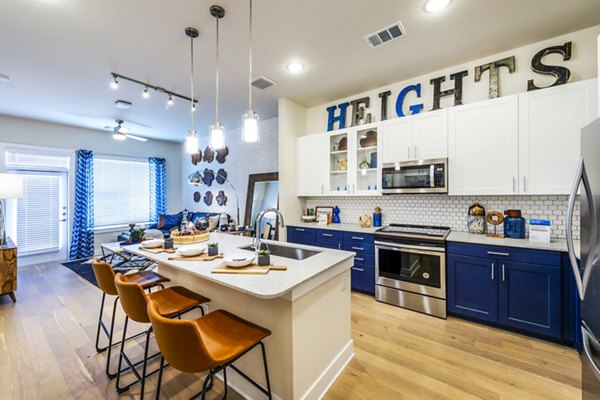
307 309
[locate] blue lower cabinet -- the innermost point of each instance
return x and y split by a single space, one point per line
472 289
363 279
299 235
530 298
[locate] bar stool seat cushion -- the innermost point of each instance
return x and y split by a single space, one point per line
176 299
145 279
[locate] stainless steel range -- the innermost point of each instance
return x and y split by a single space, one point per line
410 267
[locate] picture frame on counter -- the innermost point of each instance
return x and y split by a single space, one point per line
324 214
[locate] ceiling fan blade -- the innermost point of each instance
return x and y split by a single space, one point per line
138 138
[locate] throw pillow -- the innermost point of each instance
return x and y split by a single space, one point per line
213 222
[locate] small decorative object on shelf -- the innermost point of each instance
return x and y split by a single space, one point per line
539 230
135 236
213 249
365 221
514 224
342 144
495 218
201 224
264 257
209 155
364 164
309 215
476 219
208 198
342 164
369 139
324 215
373 163
377 217
336 215
221 198
222 154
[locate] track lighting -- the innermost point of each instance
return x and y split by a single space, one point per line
146 93
115 83
147 87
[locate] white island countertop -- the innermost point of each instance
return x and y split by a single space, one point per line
275 283
343 226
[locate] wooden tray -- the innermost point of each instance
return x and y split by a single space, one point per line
201 257
253 269
158 250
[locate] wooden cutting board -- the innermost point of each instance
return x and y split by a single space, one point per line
252 269
201 257
158 250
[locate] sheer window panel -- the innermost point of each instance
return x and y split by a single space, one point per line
121 192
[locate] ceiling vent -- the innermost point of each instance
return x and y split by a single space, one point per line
386 35
122 104
262 82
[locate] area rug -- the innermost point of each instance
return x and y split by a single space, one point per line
82 268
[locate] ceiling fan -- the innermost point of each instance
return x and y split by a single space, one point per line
121 133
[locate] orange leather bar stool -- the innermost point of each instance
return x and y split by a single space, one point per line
212 343
171 302
105 276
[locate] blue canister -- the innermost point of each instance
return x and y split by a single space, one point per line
373 163
514 224
377 217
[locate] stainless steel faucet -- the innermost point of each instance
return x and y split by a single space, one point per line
259 217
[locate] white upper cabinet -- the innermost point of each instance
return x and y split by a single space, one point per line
550 121
483 147
415 137
312 168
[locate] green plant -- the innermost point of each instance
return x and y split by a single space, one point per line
135 235
264 252
213 245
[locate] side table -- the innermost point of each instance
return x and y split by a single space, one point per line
8 269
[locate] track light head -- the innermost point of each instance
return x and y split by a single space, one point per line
146 93
115 83
170 101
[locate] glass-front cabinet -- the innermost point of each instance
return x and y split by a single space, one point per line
338 162
367 173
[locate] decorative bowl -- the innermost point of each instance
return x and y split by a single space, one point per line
191 251
153 243
238 260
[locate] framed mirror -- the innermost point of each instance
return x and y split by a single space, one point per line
263 192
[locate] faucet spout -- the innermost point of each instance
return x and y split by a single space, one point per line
259 217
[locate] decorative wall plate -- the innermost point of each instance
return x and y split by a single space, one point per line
208 197
221 198
208 177
209 155
197 197
221 154
221 176
196 158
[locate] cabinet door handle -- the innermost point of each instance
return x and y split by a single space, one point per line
408 148
359 259
497 253
358 269
503 273
339 246
327 235
524 184
322 189
514 184
493 270
358 248
357 238
415 153
299 230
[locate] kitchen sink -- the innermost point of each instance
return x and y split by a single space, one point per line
286 252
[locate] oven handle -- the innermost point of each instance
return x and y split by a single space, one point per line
409 248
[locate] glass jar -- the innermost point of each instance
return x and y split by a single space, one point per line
514 224
476 219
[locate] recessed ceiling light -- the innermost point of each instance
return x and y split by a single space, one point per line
295 67
433 6
4 78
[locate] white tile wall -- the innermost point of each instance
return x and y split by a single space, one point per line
451 211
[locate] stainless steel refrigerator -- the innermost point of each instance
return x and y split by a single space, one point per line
587 271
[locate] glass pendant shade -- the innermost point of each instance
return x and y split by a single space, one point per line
217 136
191 143
250 127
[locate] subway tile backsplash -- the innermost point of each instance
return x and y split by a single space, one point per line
444 210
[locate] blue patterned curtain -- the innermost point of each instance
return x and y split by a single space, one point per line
82 240
158 187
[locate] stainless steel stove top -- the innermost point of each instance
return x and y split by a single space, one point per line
437 233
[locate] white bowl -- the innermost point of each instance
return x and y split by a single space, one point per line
238 260
153 243
192 250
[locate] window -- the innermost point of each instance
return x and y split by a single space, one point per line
121 192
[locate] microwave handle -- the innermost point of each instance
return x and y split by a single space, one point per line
432 175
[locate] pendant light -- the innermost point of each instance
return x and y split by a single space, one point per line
250 119
217 131
191 139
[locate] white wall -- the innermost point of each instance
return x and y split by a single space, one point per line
38 133
243 159
583 65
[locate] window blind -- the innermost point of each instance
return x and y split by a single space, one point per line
38 214
121 192
35 160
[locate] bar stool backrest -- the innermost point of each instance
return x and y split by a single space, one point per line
133 299
180 342
105 276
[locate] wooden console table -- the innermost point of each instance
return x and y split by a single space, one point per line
8 269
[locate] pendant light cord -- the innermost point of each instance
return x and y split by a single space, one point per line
217 76
192 78
250 61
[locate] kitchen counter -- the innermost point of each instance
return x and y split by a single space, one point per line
554 245
307 309
334 227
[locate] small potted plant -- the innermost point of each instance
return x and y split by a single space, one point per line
264 257
168 243
135 236
213 249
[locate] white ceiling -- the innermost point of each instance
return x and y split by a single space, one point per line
60 53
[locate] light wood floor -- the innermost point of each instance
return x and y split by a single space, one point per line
46 352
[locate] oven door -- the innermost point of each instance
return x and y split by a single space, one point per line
417 269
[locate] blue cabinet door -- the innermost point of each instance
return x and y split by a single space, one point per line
530 297
363 279
472 287
300 235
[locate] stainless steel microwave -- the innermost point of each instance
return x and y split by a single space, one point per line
421 176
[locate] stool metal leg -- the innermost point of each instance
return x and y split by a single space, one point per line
101 325
160 372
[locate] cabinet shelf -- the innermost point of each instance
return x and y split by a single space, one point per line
367 148
338 172
367 169
339 152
